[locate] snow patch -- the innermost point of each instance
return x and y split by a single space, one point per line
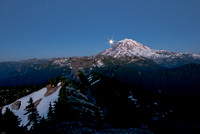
62 62
155 103
90 78
59 84
100 63
131 97
95 82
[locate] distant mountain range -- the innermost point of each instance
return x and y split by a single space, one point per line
127 51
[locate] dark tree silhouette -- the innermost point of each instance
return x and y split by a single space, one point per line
50 113
33 117
10 122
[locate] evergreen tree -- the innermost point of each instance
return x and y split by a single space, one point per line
50 113
1 120
62 109
33 117
85 85
10 122
42 127
83 78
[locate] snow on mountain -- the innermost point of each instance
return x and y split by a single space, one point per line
129 47
62 61
95 82
100 63
41 98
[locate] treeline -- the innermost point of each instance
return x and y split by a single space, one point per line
12 93
9 94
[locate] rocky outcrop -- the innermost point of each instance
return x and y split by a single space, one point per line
51 90
81 104
37 102
16 105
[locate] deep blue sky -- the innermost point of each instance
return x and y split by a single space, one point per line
50 28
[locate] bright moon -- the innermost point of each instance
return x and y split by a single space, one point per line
111 41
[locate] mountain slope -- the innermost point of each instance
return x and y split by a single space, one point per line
41 98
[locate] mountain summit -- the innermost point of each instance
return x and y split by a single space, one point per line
131 48
128 47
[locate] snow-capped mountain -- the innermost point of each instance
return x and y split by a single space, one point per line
131 48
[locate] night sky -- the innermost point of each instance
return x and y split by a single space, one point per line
63 28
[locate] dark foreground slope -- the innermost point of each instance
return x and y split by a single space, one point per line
177 89
142 95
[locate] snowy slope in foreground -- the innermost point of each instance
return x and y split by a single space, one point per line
42 107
